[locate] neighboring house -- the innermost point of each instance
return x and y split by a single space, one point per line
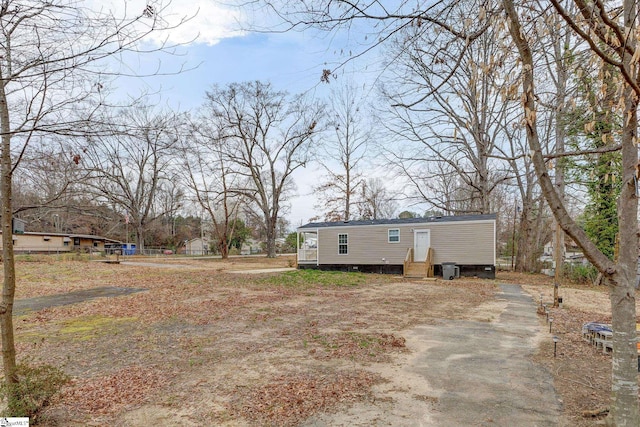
571 251
36 242
197 246
250 247
394 245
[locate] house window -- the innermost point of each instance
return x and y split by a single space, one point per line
394 235
342 244
95 244
66 243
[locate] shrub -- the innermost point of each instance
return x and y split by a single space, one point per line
581 274
33 392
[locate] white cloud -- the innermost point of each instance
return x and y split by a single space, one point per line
203 21
208 22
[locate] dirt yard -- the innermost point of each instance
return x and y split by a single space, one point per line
204 345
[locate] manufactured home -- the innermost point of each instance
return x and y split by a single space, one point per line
441 245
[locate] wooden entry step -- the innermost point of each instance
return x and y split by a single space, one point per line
415 269
420 269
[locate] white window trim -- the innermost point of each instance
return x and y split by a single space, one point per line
389 235
346 244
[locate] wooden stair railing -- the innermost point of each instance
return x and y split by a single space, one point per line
429 262
418 268
407 260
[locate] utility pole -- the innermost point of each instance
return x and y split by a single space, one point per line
516 209
558 257
560 135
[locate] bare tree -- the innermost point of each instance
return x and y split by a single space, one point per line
342 153
210 179
130 167
46 182
525 205
453 121
607 32
375 201
52 73
561 60
170 201
267 136
49 192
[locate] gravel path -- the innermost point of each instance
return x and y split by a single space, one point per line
466 373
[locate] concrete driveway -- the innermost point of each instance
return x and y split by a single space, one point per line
466 373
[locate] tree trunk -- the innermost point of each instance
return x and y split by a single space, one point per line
624 392
271 245
223 247
271 224
9 284
140 240
347 194
621 276
624 388
526 260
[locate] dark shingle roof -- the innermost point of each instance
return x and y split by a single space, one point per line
399 221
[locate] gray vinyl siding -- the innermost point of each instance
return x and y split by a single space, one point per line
468 243
464 243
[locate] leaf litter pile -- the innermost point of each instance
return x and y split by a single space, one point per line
287 400
225 349
356 346
111 393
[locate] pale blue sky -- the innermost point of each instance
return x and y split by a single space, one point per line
222 53
286 63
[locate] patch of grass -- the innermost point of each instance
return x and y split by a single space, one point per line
51 258
325 342
195 362
356 345
27 258
73 256
86 328
34 338
365 341
306 278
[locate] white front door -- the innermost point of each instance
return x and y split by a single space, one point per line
421 243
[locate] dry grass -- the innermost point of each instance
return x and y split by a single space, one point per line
218 346
211 348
